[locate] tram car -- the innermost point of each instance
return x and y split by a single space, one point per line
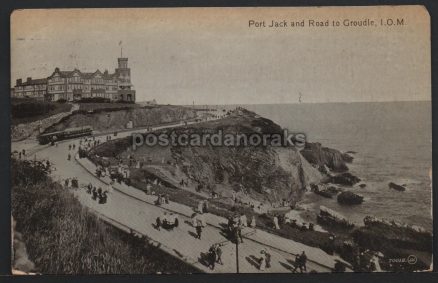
66 134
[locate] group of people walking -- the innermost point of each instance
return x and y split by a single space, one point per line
71 147
97 194
214 255
22 154
235 225
162 199
300 262
71 183
265 260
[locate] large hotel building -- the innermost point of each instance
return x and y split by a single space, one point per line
76 85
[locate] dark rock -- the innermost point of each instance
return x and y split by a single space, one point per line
328 192
362 185
382 234
346 179
319 156
347 158
324 193
349 198
396 187
333 219
333 190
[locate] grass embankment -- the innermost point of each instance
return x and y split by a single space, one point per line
63 237
113 105
31 110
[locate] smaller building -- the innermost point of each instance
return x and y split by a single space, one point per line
31 88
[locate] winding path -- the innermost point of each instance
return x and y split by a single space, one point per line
132 210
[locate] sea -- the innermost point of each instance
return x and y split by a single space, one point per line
391 141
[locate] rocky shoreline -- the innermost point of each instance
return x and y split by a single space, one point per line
269 180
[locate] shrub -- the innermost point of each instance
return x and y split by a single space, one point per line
30 109
94 100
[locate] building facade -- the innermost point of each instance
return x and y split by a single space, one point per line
33 88
76 85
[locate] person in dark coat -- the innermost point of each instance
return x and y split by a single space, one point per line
212 257
158 223
198 231
94 192
89 188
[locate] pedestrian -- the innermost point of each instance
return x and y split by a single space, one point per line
201 206
104 196
158 223
198 230
276 222
99 194
219 254
212 256
262 264
304 261
94 192
205 206
68 157
89 188
74 146
253 222
243 220
19 155
238 230
267 259
297 263
110 187
74 183
24 152
66 182
159 200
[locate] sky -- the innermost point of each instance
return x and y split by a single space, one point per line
213 56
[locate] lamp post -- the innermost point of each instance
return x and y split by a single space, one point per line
237 255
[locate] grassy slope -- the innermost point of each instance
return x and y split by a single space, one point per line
62 237
97 106
57 108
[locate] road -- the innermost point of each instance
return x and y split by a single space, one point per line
139 214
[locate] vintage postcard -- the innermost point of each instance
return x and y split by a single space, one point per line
221 140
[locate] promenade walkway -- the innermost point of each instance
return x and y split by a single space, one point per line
130 208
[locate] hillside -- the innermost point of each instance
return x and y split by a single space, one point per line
104 119
268 174
30 110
